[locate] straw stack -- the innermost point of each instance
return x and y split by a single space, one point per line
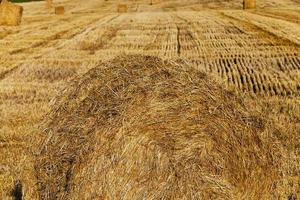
60 10
10 14
153 2
122 8
49 3
249 4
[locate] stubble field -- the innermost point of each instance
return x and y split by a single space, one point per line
255 54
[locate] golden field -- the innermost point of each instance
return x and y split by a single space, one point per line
253 54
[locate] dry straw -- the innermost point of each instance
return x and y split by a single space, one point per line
139 127
10 14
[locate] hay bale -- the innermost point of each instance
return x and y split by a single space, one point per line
249 4
122 8
49 3
153 2
60 10
10 14
139 127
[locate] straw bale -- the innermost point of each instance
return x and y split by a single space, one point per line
49 3
153 2
10 14
138 127
249 4
122 8
60 10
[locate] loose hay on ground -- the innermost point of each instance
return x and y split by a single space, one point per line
143 128
45 72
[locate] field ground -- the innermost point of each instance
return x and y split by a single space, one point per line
256 53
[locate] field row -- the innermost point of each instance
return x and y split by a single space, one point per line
242 54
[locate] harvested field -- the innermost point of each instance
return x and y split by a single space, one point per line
253 53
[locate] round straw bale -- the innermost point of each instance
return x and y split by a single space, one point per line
139 127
